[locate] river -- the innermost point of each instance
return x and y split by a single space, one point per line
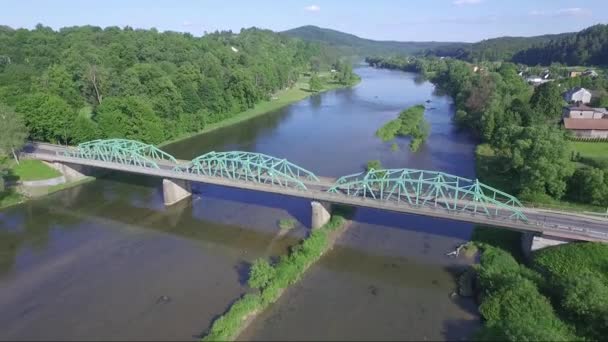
106 260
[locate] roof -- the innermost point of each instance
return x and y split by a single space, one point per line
571 123
584 107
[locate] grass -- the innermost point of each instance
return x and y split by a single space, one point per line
283 98
287 224
271 280
30 170
595 151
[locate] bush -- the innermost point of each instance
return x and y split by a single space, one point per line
374 164
260 274
287 224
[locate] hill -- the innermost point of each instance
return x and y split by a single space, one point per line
501 48
587 47
349 44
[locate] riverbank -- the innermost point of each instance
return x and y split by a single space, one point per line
16 176
270 281
281 99
559 294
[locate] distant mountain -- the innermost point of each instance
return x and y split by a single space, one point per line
501 48
349 44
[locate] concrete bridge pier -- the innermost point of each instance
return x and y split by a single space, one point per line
531 242
175 190
321 214
71 172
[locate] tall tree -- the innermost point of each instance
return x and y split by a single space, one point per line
314 83
12 131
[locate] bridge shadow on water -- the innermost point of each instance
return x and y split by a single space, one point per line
300 209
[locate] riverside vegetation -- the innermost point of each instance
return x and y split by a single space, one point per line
410 123
84 83
561 294
270 280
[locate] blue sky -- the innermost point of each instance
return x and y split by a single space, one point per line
445 20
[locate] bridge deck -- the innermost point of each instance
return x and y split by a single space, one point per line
559 224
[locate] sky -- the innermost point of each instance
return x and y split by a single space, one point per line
403 20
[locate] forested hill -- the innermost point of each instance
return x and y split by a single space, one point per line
81 83
587 47
349 44
501 48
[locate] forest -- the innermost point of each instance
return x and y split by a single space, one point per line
83 83
586 47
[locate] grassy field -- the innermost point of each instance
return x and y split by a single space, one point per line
29 170
281 99
9 198
592 150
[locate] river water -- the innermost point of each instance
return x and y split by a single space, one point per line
106 260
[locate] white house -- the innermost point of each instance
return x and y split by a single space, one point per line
578 95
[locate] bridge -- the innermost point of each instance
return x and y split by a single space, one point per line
420 192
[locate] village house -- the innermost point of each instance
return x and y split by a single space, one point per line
578 95
574 73
590 73
586 122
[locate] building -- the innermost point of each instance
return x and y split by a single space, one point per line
578 95
590 73
586 122
537 80
581 111
587 128
574 73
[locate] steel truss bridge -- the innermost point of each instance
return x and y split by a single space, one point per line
422 192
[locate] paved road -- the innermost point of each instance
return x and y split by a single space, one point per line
551 223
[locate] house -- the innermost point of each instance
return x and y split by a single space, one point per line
537 80
581 111
587 128
574 73
590 73
578 95
586 122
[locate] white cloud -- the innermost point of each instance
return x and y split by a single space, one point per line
187 23
313 8
466 2
563 12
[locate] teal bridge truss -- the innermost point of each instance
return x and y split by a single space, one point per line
408 187
421 188
248 166
122 151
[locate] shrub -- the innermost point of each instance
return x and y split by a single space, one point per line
260 274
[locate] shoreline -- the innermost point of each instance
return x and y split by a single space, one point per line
286 98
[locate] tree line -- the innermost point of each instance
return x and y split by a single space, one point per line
82 83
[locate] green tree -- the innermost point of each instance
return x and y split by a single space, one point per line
535 159
12 131
314 83
546 103
130 117
589 185
49 117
